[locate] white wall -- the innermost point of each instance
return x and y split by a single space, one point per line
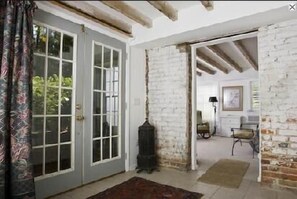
204 91
211 85
137 101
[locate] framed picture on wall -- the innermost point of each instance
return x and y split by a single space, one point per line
232 98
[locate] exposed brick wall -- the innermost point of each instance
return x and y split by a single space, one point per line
169 105
278 87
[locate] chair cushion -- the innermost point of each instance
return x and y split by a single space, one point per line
203 128
204 125
243 134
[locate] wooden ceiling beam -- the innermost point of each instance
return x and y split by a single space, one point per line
240 47
218 52
198 73
211 62
207 4
90 12
129 12
165 8
204 68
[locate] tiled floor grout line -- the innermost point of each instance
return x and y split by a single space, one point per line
215 191
248 187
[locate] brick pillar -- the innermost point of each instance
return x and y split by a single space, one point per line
169 105
277 46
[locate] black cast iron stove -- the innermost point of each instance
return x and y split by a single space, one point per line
146 159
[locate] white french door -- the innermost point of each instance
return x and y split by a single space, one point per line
77 106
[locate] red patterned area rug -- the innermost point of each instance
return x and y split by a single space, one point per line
139 188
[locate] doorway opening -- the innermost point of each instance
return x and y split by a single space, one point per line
225 95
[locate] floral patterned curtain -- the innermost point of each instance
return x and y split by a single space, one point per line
16 175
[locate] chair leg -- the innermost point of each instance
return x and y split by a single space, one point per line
240 142
206 136
234 142
233 146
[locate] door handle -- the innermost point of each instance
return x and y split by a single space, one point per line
80 117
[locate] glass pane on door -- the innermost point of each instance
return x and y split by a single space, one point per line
53 110
106 133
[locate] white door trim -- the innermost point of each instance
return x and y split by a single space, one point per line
194 154
226 39
127 110
194 127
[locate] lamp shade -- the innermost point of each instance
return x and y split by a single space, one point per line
213 99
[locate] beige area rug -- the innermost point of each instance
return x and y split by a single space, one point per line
225 173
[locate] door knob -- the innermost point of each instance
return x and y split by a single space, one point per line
80 117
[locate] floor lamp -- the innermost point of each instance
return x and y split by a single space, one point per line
213 100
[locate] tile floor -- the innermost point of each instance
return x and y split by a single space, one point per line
209 151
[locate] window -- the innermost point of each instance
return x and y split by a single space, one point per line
106 138
53 91
255 100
